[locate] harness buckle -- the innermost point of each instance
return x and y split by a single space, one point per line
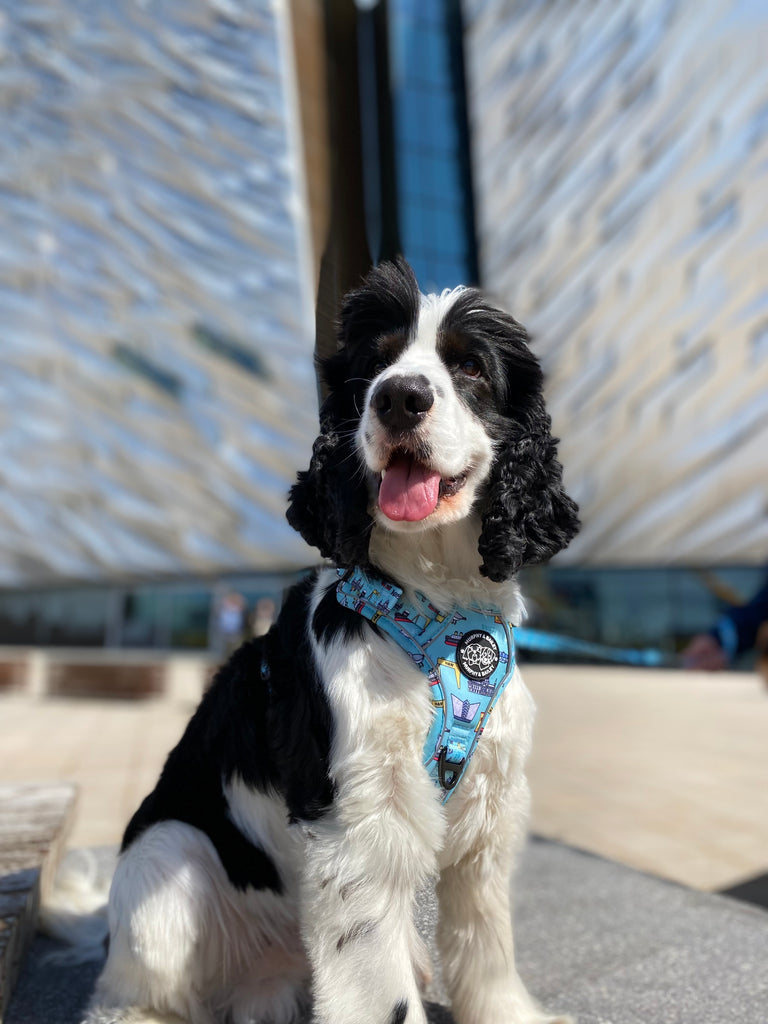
455 769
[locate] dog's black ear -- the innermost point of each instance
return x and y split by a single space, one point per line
387 300
527 516
329 502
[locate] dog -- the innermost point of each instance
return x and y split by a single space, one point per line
274 866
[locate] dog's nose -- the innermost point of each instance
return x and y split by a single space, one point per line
401 403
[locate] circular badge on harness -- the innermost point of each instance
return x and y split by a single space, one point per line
478 654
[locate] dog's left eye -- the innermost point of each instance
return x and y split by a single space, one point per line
378 361
472 368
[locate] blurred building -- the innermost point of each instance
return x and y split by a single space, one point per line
621 156
156 302
169 174
620 152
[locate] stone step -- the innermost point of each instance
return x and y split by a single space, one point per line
34 821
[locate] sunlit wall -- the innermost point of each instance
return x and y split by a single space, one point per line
621 170
156 382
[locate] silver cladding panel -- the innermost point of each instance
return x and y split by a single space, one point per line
621 166
156 383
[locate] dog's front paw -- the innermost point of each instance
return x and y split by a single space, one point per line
514 1008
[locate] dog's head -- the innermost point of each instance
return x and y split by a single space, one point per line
435 410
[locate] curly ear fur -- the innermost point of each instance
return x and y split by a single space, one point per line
329 502
527 516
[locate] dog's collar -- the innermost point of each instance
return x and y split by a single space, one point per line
467 654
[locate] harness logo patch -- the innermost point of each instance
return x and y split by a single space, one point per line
478 654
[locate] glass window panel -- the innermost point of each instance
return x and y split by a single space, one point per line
450 273
73 618
139 615
404 9
410 177
431 63
422 270
445 178
429 12
409 126
441 112
415 40
412 226
440 232
18 619
429 130
190 617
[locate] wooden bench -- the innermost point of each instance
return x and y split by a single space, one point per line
34 821
124 681
13 675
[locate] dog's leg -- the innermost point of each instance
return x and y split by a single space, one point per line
489 818
475 938
475 923
366 857
167 896
363 866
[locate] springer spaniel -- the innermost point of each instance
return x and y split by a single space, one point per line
275 864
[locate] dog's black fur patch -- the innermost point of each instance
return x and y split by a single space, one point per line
265 719
357 931
333 620
399 1013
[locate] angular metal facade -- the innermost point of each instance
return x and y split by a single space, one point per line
621 169
156 384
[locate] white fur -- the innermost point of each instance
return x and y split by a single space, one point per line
185 942
380 839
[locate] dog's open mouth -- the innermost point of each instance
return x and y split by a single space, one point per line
411 490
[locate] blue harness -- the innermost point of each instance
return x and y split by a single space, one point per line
467 654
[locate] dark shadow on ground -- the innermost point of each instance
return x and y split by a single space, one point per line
754 890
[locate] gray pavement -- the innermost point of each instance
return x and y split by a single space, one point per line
603 942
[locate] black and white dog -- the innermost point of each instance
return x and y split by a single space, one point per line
274 865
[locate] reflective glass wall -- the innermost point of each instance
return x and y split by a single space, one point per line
164 616
659 608
431 143
631 607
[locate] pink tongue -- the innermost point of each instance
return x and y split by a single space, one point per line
409 491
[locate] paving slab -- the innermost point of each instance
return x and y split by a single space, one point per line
603 942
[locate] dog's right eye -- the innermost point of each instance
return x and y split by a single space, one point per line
378 366
472 368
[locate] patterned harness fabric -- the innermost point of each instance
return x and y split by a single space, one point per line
467 654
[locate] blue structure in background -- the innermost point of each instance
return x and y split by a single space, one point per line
433 174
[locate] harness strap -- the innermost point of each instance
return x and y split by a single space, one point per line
467 654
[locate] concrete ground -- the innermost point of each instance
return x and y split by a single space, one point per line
600 941
661 771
